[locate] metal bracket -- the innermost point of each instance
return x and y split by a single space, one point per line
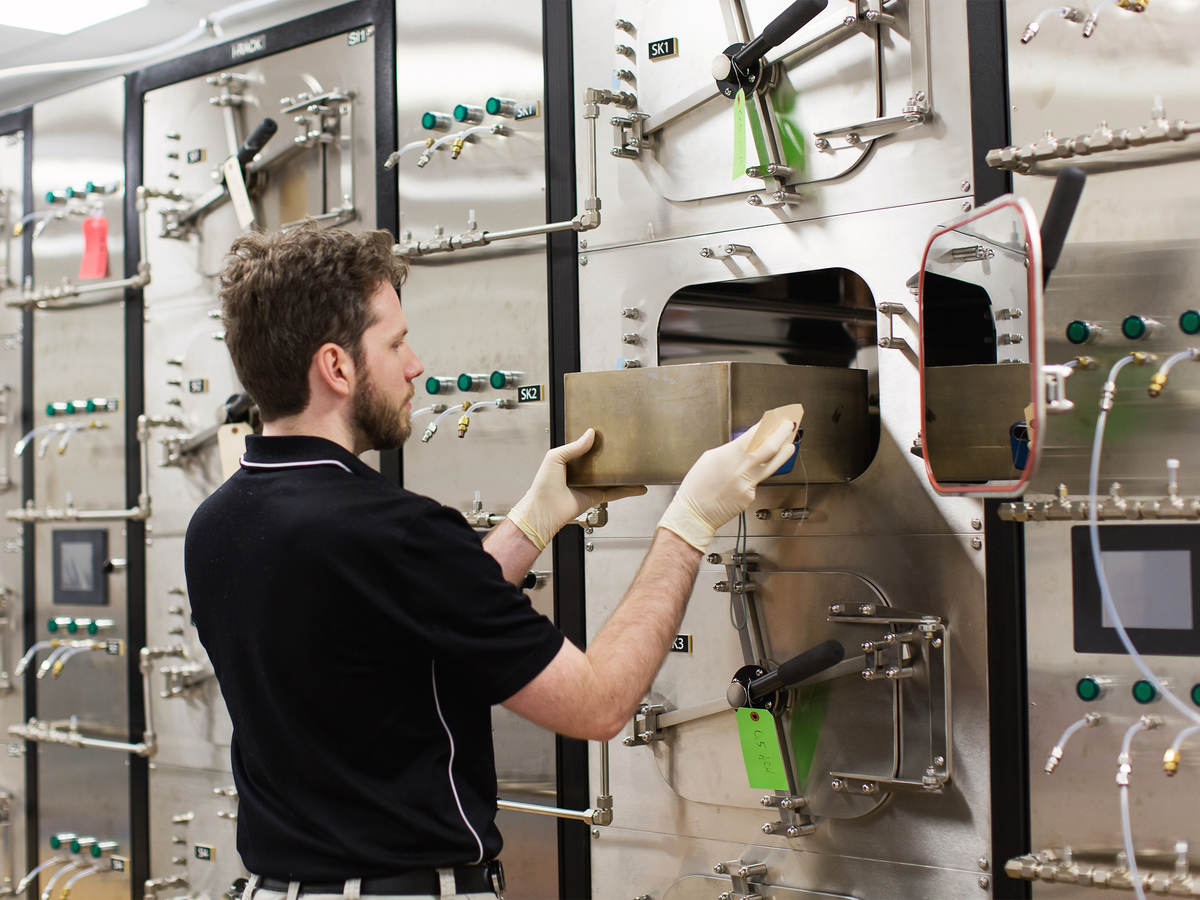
646 729
628 137
1056 389
934 638
746 878
891 309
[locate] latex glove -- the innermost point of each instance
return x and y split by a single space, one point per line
549 504
722 483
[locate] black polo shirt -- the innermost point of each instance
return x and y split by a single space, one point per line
360 635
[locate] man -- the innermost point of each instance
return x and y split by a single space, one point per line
360 633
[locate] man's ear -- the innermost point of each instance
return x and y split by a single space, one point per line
334 369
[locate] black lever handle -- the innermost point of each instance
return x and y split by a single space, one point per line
258 139
745 692
782 27
1059 213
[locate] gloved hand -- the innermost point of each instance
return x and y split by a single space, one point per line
722 483
549 504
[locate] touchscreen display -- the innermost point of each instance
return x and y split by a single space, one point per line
1150 588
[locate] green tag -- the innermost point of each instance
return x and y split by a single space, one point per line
760 137
760 750
739 135
808 715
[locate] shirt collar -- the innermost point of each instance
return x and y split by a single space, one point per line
302 451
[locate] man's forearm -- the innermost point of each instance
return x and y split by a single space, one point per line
629 650
509 546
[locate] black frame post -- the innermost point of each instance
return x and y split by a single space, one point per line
574 838
1008 693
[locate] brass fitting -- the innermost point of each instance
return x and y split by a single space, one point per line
1157 383
463 424
457 148
1171 761
1140 357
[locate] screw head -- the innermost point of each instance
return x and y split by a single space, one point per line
837 784
966 206
984 863
793 831
977 524
713 558
984 882
719 869
595 832
822 144
762 514
583 260
589 546
939 761
965 186
976 543
766 800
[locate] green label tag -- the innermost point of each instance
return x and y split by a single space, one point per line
739 135
760 750
760 137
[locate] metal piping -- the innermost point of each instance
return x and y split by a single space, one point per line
585 221
600 814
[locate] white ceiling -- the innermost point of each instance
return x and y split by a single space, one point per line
160 21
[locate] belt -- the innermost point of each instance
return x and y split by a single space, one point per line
486 878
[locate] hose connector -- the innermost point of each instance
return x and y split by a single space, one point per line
1171 760
456 148
430 431
463 424
1159 381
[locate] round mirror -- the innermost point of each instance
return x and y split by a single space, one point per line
981 351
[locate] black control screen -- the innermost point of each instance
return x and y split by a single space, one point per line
1153 573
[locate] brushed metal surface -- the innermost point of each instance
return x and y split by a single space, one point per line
929 162
968 413
891 495
941 575
12 264
628 863
79 353
1077 806
653 423
1131 250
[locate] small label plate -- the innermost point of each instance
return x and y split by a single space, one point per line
664 48
682 644
204 852
527 109
529 393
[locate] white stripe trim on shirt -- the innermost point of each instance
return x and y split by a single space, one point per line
450 767
299 462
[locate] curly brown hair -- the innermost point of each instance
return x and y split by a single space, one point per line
285 294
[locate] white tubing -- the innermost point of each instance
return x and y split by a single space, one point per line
1135 878
1097 560
1183 736
211 24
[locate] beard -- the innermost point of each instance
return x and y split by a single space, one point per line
382 423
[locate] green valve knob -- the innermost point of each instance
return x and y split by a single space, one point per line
500 106
468 382
58 840
96 851
472 115
93 628
73 626
1144 692
1088 689
1196 694
432 121
70 192
1137 328
90 406
52 197
58 622
1081 332
501 379
1189 322
436 385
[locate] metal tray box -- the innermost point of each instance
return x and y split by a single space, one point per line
653 423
